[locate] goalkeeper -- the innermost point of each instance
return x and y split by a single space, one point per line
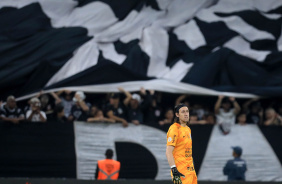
179 148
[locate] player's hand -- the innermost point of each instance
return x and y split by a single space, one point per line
176 176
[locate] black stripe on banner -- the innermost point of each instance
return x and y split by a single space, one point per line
104 72
273 135
37 150
122 8
31 50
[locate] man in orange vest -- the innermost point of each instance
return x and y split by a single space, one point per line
108 169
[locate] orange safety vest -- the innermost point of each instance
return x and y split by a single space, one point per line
108 169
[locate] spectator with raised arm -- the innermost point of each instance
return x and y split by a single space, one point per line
46 105
10 112
153 113
134 113
116 110
80 110
225 115
136 107
65 98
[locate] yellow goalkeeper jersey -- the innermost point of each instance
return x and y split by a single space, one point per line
180 138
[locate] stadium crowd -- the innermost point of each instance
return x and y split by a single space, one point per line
142 107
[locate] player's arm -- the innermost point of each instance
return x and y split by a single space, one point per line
169 155
176 174
172 136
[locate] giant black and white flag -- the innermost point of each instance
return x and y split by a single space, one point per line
203 47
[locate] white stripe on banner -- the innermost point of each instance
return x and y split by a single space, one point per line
242 47
234 23
93 139
279 43
154 84
262 163
191 34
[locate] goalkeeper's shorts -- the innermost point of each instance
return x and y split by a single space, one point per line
190 176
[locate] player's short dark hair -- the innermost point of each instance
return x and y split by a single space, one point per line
176 110
109 153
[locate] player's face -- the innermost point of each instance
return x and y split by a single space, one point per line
183 114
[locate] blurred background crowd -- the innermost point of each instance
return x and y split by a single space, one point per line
142 107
